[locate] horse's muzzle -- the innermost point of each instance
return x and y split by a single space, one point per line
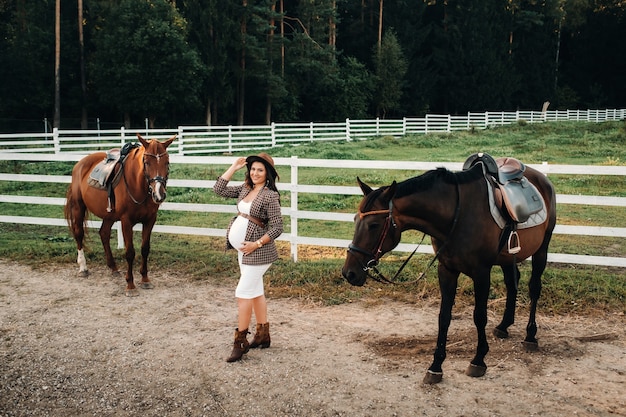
158 192
353 278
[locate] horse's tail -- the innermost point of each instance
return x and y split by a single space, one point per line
69 211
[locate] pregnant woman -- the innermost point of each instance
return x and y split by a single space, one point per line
258 223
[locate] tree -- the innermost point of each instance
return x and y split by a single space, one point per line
142 64
470 57
26 84
213 31
390 68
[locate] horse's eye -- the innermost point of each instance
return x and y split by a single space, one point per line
372 226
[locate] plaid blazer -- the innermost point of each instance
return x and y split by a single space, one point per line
266 206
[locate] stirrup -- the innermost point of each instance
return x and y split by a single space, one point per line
514 240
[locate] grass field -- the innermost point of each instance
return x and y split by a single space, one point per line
567 288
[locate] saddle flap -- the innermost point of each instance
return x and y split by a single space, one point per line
105 173
521 198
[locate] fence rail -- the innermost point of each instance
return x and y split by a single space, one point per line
212 140
294 187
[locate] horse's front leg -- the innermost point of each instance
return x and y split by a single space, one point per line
105 237
145 252
127 232
511 280
482 283
447 286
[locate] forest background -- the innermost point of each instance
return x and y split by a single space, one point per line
210 62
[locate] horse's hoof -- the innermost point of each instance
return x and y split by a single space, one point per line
501 334
530 346
83 274
115 272
132 293
433 377
475 371
147 285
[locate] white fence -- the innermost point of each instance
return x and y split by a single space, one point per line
212 140
294 187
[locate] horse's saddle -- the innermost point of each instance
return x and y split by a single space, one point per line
514 201
106 175
103 173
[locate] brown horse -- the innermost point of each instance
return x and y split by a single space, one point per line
141 190
454 210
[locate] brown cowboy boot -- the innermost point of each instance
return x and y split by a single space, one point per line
240 346
261 337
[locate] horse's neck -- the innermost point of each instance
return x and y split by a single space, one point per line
134 171
435 211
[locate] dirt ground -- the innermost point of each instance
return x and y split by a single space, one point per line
74 346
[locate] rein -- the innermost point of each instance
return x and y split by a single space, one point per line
375 256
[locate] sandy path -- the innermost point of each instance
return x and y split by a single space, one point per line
79 347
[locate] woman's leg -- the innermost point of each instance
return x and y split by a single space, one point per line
259 306
244 311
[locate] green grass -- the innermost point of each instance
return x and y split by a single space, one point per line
317 277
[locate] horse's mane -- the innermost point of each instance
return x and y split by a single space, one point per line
425 182
430 178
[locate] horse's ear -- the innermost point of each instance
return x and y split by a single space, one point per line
390 191
169 141
142 140
364 187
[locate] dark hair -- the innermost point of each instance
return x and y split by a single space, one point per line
270 181
270 172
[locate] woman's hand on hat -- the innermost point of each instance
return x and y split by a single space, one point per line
236 166
239 163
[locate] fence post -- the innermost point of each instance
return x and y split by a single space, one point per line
181 141
294 208
55 140
273 133
230 138
120 236
311 130
347 130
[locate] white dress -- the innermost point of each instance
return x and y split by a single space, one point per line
251 280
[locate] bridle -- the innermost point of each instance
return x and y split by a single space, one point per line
151 181
378 250
370 268
158 179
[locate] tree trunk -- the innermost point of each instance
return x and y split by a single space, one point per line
208 112
83 78
332 28
270 63
282 39
380 24
242 66
57 65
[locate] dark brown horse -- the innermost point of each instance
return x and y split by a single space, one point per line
453 209
138 195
